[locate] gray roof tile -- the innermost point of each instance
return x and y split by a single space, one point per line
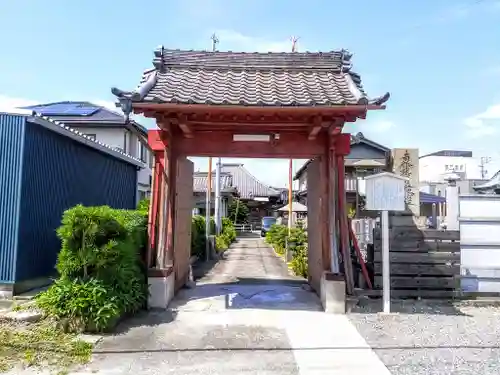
200 182
251 79
248 186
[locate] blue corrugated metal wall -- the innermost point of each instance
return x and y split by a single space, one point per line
11 149
59 173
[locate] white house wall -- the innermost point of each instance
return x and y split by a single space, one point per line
434 168
479 217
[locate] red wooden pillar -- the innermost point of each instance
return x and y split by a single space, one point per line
325 201
170 195
342 149
154 208
332 208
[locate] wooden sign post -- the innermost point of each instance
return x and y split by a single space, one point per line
385 192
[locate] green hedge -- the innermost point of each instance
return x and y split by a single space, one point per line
101 277
227 235
198 235
277 237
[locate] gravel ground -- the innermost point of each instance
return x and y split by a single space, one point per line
432 338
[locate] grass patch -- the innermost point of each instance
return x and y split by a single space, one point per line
41 345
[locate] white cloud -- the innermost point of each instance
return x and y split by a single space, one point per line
484 123
236 41
8 104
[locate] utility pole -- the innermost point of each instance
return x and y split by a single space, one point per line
294 40
482 166
208 204
218 200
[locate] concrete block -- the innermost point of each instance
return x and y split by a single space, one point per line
161 291
332 293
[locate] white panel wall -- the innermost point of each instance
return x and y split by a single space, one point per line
479 217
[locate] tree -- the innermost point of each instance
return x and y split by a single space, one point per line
238 212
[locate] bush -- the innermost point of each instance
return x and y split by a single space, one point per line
299 261
198 236
278 237
101 277
143 206
227 235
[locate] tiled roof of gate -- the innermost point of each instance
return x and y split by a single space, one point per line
251 79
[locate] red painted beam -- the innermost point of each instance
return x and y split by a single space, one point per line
289 145
342 144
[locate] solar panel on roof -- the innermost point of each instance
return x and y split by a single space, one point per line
81 111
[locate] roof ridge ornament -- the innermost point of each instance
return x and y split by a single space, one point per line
159 60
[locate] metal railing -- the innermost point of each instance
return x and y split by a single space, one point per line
243 228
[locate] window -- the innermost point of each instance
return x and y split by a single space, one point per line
143 153
91 136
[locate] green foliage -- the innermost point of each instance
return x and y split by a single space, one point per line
227 235
238 212
299 260
143 206
100 273
41 345
198 236
278 237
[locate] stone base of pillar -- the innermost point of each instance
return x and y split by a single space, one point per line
333 297
161 290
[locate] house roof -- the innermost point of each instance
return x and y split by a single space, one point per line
450 153
430 198
251 79
85 113
248 186
66 131
491 184
355 139
200 182
296 207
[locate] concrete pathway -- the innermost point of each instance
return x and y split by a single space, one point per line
248 315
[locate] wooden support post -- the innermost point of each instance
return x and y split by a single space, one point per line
155 209
332 210
342 149
171 194
324 211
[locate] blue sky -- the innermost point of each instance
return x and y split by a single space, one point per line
440 59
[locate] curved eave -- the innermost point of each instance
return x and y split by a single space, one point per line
194 108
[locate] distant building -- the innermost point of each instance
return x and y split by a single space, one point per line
106 126
200 186
365 158
434 167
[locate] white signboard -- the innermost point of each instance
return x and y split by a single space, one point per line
385 192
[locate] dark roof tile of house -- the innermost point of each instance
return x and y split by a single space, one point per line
200 182
96 116
247 184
